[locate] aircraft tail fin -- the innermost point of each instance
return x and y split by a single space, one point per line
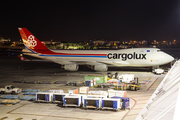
31 42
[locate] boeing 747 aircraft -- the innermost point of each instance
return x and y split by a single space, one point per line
99 60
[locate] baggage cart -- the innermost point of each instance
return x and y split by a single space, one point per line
97 96
81 95
124 102
83 90
58 97
109 103
92 103
104 93
72 101
56 91
44 97
73 91
118 93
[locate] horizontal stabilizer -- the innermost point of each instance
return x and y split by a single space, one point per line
23 58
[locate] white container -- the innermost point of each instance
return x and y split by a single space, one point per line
83 90
104 93
73 91
92 103
81 95
72 100
109 103
117 93
127 78
44 96
56 91
58 97
97 96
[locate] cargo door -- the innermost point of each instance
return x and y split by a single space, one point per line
97 103
102 103
114 104
46 97
62 97
64 101
78 102
37 96
85 103
54 96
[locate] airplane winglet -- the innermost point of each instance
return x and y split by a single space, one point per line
23 58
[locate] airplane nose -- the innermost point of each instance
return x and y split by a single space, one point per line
169 59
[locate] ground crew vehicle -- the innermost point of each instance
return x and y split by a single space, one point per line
135 85
129 86
158 71
10 89
111 76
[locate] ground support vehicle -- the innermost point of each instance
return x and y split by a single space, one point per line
10 89
105 85
129 86
158 71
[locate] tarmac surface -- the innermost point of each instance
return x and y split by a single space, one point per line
12 68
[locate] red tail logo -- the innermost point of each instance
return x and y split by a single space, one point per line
31 42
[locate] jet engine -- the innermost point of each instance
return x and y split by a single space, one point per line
100 67
71 67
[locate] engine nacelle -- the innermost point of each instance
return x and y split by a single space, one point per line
100 67
71 67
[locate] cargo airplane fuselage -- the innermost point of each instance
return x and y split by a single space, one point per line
98 59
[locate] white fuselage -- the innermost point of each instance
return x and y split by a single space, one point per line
134 57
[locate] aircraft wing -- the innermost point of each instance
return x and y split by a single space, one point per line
95 62
90 62
79 61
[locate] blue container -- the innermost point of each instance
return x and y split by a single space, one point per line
124 100
58 97
89 83
110 103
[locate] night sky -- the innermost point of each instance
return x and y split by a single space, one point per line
83 20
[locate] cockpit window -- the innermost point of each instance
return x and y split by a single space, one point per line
158 50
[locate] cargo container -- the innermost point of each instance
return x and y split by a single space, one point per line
109 103
43 97
56 91
104 93
81 95
58 97
124 102
97 96
112 93
89 82
99 79
72 101
127 78
83 90
73 91
92 103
